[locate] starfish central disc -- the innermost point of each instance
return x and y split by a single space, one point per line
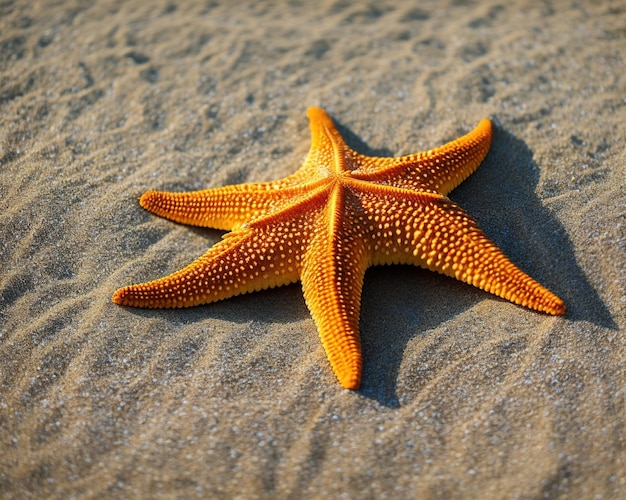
340 213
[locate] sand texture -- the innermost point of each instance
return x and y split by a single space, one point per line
464 394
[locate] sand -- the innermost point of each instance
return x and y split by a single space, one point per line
463 394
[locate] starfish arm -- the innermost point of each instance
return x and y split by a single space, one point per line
433 232
328 148
438 170
332 281
223 208
244 261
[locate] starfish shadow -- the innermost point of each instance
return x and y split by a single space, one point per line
500 195
275 305
355 142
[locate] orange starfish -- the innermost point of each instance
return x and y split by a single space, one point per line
340 213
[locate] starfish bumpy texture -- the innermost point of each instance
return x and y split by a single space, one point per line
340 213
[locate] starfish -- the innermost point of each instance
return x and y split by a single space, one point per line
324 225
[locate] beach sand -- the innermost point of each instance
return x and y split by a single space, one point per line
463 394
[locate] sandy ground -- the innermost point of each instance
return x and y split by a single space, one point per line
463 394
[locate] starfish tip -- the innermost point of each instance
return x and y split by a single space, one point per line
349 378
118 297
485 123
317 115
559 308
351 383
147 199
